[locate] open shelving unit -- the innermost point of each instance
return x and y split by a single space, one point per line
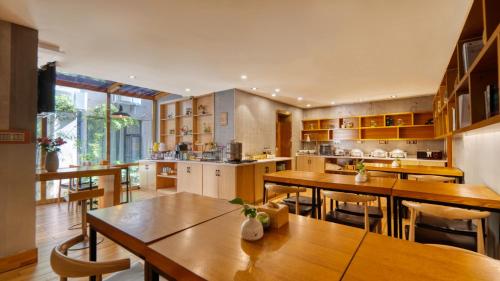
189 121
402 126
460 104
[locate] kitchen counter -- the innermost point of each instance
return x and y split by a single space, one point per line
411 158
269 160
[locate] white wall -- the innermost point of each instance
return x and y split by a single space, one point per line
478 154
255 122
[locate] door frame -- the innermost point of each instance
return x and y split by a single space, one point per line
289 115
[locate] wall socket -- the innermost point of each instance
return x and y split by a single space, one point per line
411 142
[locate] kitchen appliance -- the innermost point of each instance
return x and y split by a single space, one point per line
356 152
339 152
234 151
397 153
180 150
379 153
325 149
428 154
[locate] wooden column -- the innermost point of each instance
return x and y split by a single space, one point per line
43 184
449 150
108 127
154 122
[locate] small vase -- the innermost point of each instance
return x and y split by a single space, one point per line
395 164
51 161
251 229
361 177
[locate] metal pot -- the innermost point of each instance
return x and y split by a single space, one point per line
233 151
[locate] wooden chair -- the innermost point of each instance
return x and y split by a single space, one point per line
449 213
296 208
431 178
67 267
365 222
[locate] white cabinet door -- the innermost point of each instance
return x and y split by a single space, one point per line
211 180
227 182
147 175
183 177
195 175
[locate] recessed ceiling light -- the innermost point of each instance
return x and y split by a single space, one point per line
188 90
308 105
393 96
132 77
244 76
277 90
332 102
254 88
273 95
300 98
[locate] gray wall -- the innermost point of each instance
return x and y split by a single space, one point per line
18 97
224 102
255 122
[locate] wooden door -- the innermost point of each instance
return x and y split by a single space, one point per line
317 164
283 134
260 170
210 180
302 163
227 182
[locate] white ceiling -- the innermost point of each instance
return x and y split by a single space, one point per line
324 51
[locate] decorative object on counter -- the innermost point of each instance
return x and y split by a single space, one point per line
389 121
373 123
278 213
170 115
428 154
155 147
400 122
356 152
202 109
325 149
189 111
396 163
491 100
361 176
398 153
379 153
51 147
251 228
206 128
339 152
162 147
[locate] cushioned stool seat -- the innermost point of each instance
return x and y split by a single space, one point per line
351 220
359 210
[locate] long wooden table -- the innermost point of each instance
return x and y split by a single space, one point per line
137 224
111 195
374 186
472 196
384 258
405 170
305 249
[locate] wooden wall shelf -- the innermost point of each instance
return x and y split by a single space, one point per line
390 126
460 104
179 114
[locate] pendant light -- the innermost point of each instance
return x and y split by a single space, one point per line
120 113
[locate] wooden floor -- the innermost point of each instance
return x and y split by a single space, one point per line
53 221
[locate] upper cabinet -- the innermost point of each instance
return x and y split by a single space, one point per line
389 126
467 97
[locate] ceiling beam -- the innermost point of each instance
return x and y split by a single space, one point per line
114 87
160 95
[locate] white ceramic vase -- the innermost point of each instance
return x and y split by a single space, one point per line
251 229
361 177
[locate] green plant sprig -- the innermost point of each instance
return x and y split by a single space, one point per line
248 210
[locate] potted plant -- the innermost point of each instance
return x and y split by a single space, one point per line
361 176
251 228
51 147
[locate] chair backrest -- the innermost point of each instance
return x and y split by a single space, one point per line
349 197
282 189
67 267
431 178
379 174
448 213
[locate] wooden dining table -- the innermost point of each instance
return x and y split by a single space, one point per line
405 170
470 196
136 225
384 258
377 186
112 194
303 249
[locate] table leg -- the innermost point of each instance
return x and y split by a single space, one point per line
389 217
92 248
318 198
313 211
395 213
127 175
264 193
149 273
404 176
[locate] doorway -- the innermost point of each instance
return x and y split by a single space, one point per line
283 133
